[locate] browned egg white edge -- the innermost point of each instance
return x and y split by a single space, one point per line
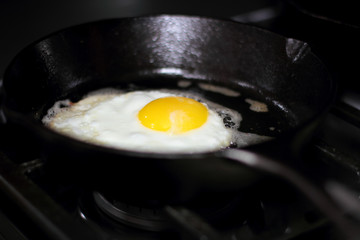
240 139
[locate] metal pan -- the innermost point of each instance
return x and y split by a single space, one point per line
159 52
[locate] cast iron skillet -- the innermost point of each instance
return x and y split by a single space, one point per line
157 52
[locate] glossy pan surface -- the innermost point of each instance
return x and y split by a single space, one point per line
159 52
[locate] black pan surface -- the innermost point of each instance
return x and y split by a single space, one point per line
157 52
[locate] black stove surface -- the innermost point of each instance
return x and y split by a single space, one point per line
37 204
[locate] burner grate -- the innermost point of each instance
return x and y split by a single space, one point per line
152 219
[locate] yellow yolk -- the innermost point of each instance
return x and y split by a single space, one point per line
173 114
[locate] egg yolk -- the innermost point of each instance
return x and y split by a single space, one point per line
173 115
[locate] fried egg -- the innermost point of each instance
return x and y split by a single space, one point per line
146 121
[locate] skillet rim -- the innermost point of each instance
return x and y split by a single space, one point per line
34 126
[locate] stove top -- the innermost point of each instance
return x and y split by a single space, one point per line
37 204
42 205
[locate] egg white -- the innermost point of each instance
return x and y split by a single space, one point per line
110 119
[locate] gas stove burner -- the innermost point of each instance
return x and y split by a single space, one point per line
146 218
154 217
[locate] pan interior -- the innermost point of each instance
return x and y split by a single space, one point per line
262 118
167 52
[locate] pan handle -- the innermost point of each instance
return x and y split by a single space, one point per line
2 115
319 198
